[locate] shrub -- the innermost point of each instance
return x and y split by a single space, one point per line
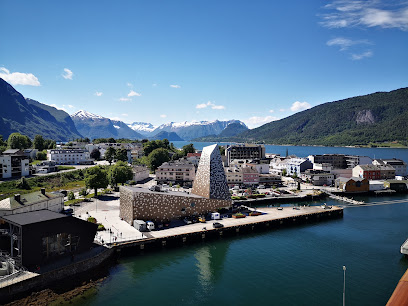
132 183
83 192
71 196
91 219
101 227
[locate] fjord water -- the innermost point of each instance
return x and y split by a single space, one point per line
289 266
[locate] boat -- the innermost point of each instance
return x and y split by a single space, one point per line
404 248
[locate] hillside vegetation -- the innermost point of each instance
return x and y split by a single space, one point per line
374 118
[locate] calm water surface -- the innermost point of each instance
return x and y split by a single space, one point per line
290 266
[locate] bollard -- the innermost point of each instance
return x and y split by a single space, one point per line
184 239
142 246
202 236
164 243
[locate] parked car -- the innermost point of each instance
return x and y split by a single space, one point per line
218 225
187 220
202 219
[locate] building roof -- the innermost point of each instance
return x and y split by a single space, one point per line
13 152
393 161
33 217
27 199
346 179
165 193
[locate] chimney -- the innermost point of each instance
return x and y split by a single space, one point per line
17 197
43 191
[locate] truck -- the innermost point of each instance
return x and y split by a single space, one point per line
140 225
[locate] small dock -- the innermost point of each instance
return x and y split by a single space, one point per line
344 199
271 218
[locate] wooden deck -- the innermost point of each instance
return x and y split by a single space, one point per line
400 294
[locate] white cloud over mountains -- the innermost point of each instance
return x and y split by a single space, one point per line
175 86
345 43
211 105
98 93
256 121
299 106
19 78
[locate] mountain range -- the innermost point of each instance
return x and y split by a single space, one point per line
187 130
29 117
373 118
95 126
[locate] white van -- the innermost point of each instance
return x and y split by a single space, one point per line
261 187
149 225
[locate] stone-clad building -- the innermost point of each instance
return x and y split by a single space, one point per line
210 181
210 192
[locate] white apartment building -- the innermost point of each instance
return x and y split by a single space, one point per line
69 156
13 163
176 172
234 175
140 173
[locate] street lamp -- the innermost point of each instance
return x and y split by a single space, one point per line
344 285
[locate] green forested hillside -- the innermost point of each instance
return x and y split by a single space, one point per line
373 118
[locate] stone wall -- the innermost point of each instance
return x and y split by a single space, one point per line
156 206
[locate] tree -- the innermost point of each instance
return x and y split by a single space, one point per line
95 154
38 142
284 172
23 184
110 154
188 149
120 173
18 141
157 157
121 154
71 196
2 142
41 155
95 178
222 150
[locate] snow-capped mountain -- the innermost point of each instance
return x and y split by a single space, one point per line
143 128
95 126
186 130
85 115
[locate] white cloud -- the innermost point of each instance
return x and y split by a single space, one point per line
256 121
129 84
125 115
154 85
125 99
210 104
175 86
70 106
98 93
299 106
57 107
19 78
369 13
360 56
271 111
163 116
203 105
68 74
282 110
133 93
345 43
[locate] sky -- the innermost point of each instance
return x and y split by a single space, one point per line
183 60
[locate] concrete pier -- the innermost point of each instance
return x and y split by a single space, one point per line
271 218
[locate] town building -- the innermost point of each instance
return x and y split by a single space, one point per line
13 163
180 172
295 166
39 237
397 185
234 175
354 160
374 172
270 180
210 192
69 156
337 161
352 185
140 173
278 165
250 176
46 166
21 203
244 151
399 165
318 177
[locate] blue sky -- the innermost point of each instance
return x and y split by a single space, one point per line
162 61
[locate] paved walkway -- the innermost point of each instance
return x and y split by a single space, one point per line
106 211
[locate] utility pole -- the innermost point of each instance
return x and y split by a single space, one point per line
344 285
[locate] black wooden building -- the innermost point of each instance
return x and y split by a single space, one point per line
38 237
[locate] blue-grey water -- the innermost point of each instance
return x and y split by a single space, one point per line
288 266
